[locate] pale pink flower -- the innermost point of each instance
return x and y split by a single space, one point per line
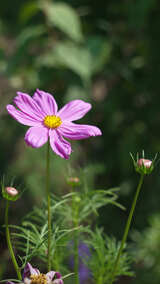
41 113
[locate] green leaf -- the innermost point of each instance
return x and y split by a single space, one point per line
30 33
64 18
69 55
28 10
100 50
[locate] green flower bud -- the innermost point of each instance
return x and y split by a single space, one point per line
77 199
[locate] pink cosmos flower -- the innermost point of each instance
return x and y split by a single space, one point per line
33 276
41 113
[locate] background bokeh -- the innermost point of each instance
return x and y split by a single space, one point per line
107 53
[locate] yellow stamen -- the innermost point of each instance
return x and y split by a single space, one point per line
52 121
38 279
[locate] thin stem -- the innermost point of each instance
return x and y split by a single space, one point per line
75 212
10 245
55 262
100 280
127 227
76 255
49 206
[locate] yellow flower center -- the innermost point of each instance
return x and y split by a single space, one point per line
52 121
38 279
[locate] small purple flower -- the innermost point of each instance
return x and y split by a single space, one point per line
84 255
33 276
41 113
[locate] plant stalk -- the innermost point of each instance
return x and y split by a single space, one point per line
15 264
76 255
75 212
48 205
127 227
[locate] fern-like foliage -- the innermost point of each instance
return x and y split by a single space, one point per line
31 237
88 202
103 256
146 251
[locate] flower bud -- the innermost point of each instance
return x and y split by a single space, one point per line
145 162
77 199
10 193
73 181
143 166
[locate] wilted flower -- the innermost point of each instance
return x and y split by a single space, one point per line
33 276
41 113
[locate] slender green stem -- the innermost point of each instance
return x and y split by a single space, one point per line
10 244
76 255
127 227
75 212
49 206
100 280
55 262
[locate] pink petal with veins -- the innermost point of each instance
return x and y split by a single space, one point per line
36 136
74 110
59 145
78 131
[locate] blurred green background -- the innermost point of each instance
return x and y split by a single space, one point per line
107 53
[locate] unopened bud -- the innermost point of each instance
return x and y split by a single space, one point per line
77 199
73 181
144 162
11 191
143 166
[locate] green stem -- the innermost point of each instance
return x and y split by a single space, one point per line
76 255
127 228
55 262
100 280
75 212
10 245
49 206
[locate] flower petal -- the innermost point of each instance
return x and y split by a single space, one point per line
50 275
27 105
36 136
46 102
29 270
59 145
78 131
74 110
22 117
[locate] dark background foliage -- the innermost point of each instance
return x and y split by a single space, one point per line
106 52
